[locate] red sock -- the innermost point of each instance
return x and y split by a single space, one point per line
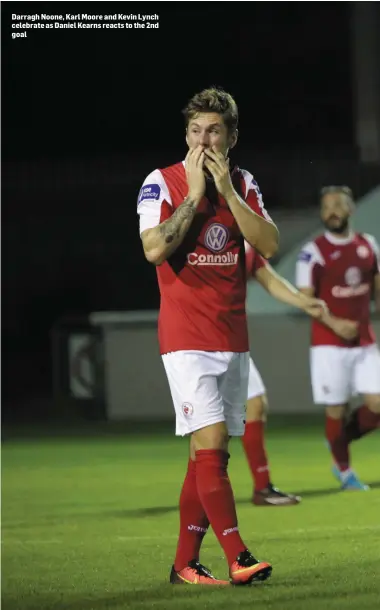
361 422
253 443
217 497
193 521
337 439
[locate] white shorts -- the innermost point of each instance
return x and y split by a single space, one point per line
338 373
255 383
208 388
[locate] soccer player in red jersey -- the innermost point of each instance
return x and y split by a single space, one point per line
265 494
342 267
194 218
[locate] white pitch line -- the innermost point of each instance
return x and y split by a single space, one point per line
274 536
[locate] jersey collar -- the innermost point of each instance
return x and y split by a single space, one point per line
339 241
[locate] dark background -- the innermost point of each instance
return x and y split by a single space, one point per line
87 114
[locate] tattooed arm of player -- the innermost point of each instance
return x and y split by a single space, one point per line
161 241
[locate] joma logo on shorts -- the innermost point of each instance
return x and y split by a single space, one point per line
220 260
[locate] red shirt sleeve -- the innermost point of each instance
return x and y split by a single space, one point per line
253 260
253 195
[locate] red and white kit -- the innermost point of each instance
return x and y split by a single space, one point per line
202 326
342 272
254 262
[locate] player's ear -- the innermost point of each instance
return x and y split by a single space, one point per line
187 139
351 206
233 139
350 198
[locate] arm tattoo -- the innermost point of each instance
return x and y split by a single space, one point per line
171 228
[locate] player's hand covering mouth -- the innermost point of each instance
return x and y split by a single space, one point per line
207 172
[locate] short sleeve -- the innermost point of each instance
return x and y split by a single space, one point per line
154 203
253 260
253 196
308 258
376 251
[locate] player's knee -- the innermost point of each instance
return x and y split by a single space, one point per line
373 403
211 437
336 411
257 408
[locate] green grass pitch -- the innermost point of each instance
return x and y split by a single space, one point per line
89 522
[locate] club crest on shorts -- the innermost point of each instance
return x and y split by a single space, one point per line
362 251
187 409
216 237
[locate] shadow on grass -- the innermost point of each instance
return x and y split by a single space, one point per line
156 511
166 594
315 493
282 592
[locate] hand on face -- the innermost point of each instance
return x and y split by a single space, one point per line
219 168
196 180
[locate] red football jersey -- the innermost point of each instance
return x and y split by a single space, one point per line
253 260
341 271
203 284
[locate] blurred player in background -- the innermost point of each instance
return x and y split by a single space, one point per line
265 494
342 268
194 217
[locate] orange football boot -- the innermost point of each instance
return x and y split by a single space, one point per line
195 574
246 569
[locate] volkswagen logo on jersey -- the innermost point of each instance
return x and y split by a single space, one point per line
216 237
353 276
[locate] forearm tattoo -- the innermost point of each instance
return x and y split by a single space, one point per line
171 228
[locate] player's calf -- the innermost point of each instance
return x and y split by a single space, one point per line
254 441
193 521
336 436
217 498
338 439
265 494
364 420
